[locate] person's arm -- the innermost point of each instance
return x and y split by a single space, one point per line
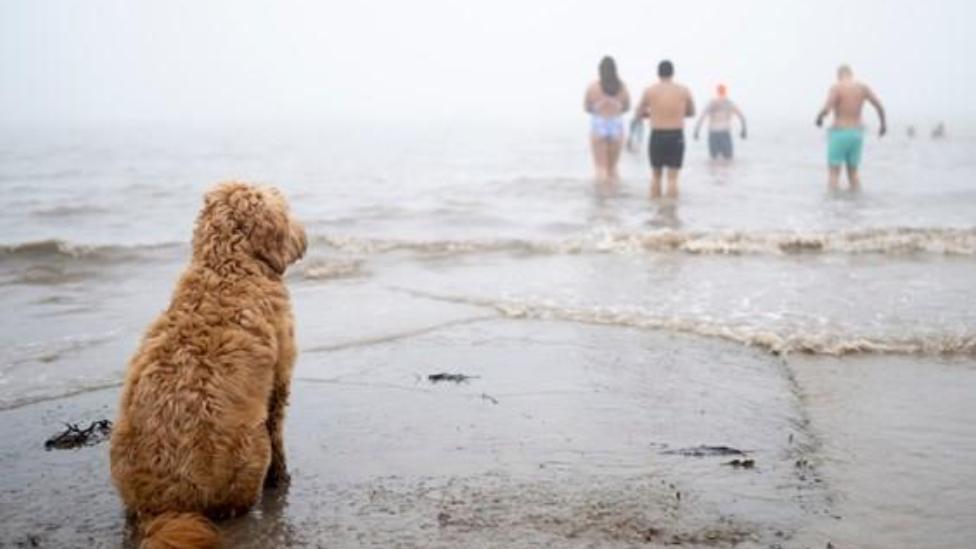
587 107
691 105
742 120
635 133
876 103
641 110
828 105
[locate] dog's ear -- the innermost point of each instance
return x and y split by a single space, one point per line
296 243
275 237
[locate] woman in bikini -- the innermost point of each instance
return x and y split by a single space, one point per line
606 101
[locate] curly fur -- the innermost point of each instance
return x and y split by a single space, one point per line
199 429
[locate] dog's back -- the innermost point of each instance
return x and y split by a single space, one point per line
198 384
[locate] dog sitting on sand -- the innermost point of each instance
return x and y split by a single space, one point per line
199 429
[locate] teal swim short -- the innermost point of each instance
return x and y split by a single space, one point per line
844 146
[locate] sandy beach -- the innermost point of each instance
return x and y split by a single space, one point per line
567 434
556 442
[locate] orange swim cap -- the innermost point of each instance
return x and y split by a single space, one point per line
721 89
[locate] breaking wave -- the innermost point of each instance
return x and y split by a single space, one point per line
767 339
326 269
47 394
890 241
52 350
74 210
894 241
58 248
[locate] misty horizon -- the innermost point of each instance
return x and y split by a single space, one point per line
114 62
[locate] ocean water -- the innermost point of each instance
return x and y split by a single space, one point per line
757 252
409 225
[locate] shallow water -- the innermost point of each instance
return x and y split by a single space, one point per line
831 330
895 442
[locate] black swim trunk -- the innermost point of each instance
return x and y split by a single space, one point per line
667 148
720 144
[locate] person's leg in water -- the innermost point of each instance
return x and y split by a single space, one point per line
656 182
852 178
853 160
673 182
727 146
656 164
614 147
712 145
833 177
598 146
676 156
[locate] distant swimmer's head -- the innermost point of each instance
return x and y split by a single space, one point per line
665 69
609 81
721 90
844 72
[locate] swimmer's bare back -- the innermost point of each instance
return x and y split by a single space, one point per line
667 104
846 100
598 103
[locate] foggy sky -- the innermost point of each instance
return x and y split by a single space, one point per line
180 61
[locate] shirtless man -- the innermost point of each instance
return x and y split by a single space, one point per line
719 113
845 137
667 104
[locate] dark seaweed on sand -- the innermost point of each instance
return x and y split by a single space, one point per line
742 463
704 450
443 376
75 437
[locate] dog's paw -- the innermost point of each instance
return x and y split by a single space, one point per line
277 476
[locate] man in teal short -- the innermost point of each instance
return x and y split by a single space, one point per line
845 138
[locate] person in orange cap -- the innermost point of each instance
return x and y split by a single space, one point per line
719 113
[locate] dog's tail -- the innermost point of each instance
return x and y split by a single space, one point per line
179 531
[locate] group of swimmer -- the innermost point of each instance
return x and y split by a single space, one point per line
667 103
938 132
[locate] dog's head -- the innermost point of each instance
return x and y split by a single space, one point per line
242 218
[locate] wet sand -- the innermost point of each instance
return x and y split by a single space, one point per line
572 453
899 447
569 435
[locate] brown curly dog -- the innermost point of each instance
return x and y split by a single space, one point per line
199 430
